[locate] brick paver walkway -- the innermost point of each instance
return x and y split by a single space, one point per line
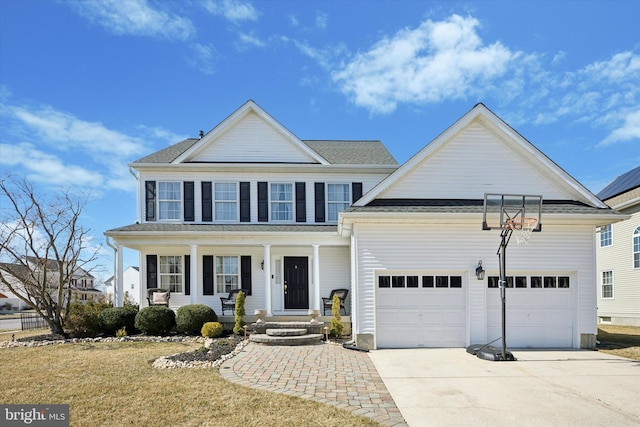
327 373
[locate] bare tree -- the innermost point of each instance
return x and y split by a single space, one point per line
42 247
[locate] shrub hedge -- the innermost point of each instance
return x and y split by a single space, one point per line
190 318
114 318
155 320
212 330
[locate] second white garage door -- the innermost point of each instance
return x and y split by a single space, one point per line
420 310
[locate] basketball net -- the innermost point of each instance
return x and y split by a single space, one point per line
522 228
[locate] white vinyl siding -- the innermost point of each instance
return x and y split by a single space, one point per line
169 200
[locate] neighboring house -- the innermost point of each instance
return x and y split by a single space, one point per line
618 254
81 282
250 205
131 281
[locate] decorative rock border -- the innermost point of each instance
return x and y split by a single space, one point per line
47 341
165 362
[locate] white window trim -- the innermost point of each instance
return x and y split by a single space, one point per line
216 273
292 202
602 284
635 235
180 274
180 201
327 202
214 201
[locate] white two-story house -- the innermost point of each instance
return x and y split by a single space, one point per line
250 205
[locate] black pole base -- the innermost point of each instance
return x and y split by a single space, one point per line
489 352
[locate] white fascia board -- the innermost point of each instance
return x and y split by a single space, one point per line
263 167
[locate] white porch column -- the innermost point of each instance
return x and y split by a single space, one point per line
193 279
267 278
315 302
119 286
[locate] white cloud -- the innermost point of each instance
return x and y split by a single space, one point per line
46 168
232 10
629 130
249 40
322 20
435 61
204 58
135 17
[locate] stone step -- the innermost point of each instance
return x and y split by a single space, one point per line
286 340
286 332
313 328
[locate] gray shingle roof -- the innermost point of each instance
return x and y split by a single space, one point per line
622 184
335 152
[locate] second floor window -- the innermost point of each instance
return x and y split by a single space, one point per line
282 202
169 200
226 201
338 199
605 236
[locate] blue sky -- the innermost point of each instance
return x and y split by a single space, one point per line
88 86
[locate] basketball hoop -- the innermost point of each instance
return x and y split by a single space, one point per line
522 228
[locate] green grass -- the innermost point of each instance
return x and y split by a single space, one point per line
113 384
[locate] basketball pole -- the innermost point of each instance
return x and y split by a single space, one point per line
502 262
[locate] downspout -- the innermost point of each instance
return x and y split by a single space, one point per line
115 268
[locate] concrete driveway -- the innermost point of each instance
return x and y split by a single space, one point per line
449 387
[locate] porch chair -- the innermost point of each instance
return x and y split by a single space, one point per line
229 302
158 296
328 302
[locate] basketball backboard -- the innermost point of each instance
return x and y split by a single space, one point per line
499 209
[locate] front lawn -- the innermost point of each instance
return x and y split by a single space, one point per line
114 384
620 340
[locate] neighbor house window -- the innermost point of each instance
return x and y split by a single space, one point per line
607 284
282 202
169 200
338 199
636 248
605 236
171 273
227 273
226 201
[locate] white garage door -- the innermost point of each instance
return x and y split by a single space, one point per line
539 311
420 310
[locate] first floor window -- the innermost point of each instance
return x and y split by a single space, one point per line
636 248
171 273
227 273
282 202
338 199
169 200
607 284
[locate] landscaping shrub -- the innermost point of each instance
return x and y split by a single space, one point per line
211 330
155 320
190 318
115 318
83 320
336 321
238 328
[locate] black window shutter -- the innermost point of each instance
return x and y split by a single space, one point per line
150 200
245 202
152 271
207 201
245 273
319 198
356 191
207 274
188 201
263 202
187 274
301 202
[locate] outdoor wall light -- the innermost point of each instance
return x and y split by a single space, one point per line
262 265
480 271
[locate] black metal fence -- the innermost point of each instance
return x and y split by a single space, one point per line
32 321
